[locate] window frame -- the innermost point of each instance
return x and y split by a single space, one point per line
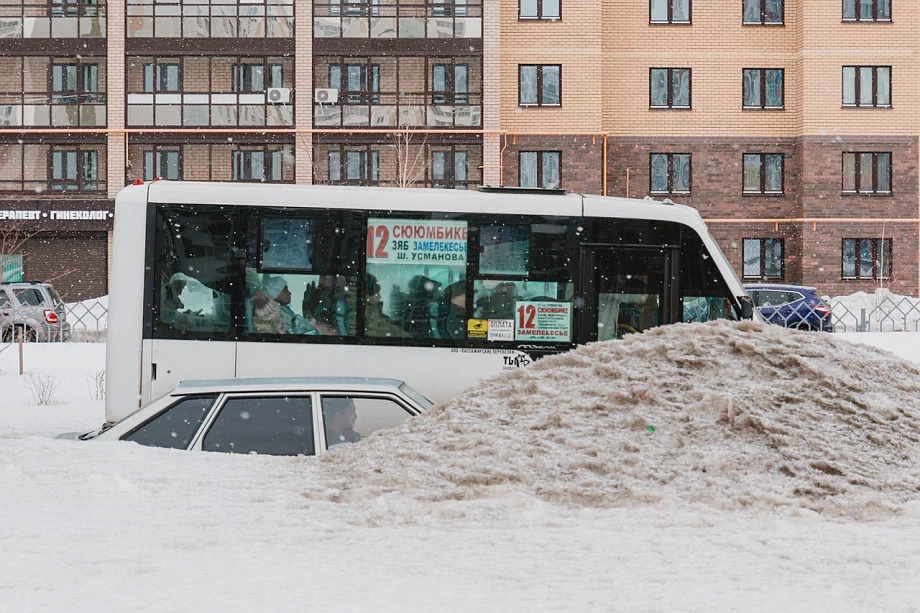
80 94
238 157
449 95
670 81
369 77
856 104
155 66
370 167
539 176
858 18
670 189
80 182
762 244
216 399
539 102
539 16
876 275
670 21
155 151
763 15
857 166
449 181
221 403
763 90
763 174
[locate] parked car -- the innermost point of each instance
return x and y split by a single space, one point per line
36 309
282 416
792 306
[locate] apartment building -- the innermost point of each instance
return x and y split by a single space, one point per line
790 124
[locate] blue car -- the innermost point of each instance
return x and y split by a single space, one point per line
792 306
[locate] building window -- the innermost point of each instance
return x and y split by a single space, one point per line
449 84
763 258
74 8
73 83
161 77
866 258
361 167
763 12
763 88
866 173
259 165
540 85
669 11
763 173
539 169
162 163
539 9
359 83
867 86
669 88
867 10
670 173
448 169
254 78
74 170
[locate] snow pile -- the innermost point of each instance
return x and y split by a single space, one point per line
732 415
880 311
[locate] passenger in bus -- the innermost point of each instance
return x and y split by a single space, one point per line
420 316
331 301
272 313
339 416
500 302
452 313
376 322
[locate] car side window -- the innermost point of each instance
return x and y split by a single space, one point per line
793 296
175 427
348 419
272 425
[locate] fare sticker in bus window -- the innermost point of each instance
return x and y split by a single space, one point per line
415 241
477 328
543 321
501 330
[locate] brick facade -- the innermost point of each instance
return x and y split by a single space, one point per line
76 263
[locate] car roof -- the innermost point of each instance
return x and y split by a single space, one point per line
783 286
286 383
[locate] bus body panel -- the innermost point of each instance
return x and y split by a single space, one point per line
440 372
126 304
173 360
344 197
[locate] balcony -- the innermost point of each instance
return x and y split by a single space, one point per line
50 169
396 20
45 92
87 111
258 163
398 110
207 110
44 20
210 19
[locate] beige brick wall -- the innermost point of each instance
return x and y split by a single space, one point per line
303 90
491 92
115 95
575 42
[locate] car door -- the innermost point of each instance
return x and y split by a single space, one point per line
174 427
350 417
280 423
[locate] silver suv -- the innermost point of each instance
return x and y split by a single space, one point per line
34 308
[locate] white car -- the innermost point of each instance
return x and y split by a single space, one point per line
283 416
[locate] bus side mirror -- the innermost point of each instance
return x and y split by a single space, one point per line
747 307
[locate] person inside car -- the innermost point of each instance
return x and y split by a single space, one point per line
340 415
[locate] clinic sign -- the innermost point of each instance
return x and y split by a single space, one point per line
51 215
416 241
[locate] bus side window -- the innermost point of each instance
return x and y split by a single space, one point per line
419 269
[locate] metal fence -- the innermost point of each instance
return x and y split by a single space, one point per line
81 322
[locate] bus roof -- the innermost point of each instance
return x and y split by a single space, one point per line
411 199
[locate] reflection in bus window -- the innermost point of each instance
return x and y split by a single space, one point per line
310 305
414 262
630 290
193 270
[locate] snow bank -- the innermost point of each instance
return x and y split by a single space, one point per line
879 311
730 415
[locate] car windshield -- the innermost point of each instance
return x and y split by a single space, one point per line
416 396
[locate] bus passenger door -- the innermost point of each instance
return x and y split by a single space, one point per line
626 290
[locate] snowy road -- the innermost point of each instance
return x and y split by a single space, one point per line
93 527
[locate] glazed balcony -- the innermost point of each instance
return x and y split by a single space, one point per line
210 19
394 19
43 92
57 19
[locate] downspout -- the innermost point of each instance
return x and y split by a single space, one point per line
604 163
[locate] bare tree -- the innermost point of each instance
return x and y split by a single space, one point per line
410 157
13 239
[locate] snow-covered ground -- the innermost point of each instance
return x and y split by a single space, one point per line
114 526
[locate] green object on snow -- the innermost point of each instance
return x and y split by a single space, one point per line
651 428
